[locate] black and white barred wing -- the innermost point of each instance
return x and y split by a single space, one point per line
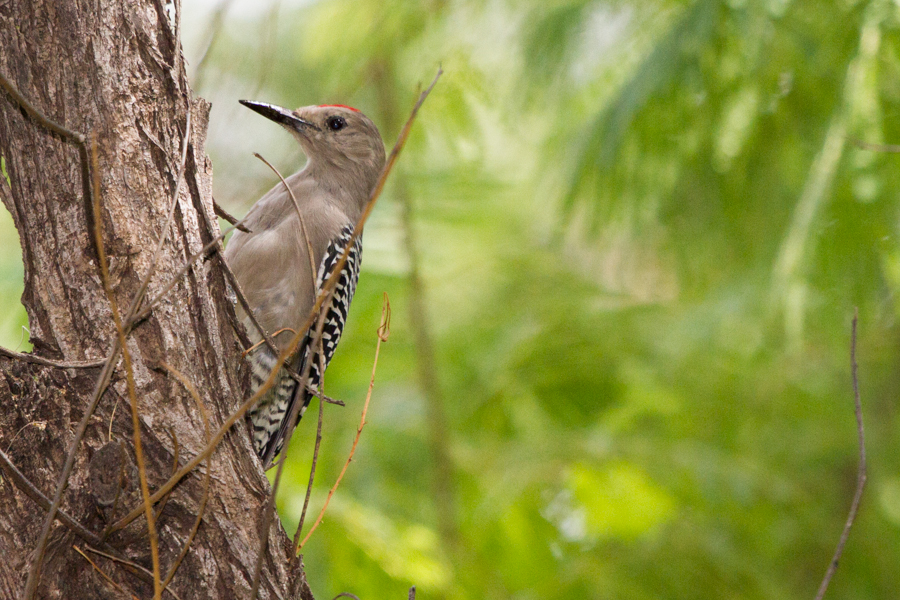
320 349
339 306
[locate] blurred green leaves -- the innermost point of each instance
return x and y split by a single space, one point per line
13 319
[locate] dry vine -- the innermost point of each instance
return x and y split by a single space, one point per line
861 471
384 330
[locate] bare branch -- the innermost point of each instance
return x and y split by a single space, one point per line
214 442
105 576
224 214
315 347
77 138
315 461
46 362
142 290
206 481
383 332
318 394
861 471
324 298
887 148
312 262
37 115
30 490
138 569
129 373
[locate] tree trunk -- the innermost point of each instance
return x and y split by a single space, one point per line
114 72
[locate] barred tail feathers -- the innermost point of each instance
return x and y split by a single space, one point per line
266 416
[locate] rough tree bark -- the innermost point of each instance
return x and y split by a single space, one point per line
113 70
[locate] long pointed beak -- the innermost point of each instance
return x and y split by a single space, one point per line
279 115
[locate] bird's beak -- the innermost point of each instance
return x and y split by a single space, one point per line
279 115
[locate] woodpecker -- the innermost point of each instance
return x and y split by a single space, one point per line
345 156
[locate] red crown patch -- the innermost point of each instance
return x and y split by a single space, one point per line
339 106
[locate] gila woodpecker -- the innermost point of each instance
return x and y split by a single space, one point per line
345 156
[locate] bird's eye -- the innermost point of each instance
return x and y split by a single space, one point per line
335 123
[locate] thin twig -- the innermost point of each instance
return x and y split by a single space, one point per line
309 251
318 394
888 148
39 424
46 362
214 442
145 282
37 115
315 347
139 570
105 576
206 481
30 490
315 460
346 595
112 416
129 374
176 451
261 342
73 136
328 289
383 332
224 214
861 471
148 307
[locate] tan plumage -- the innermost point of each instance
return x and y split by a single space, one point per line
345 156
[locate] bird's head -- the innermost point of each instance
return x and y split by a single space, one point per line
337 139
